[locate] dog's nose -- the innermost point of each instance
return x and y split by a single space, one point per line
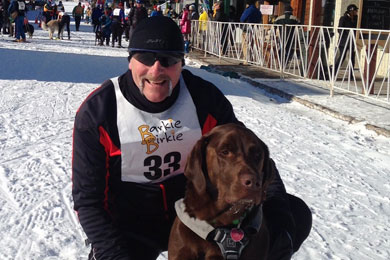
250 181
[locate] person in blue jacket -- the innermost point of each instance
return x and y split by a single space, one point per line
18 6
157 12
105 21
251 14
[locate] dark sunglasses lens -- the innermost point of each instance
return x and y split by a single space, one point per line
146 58
167 60
149 58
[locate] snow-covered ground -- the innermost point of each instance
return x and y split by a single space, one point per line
340 170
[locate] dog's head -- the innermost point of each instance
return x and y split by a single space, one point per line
228 171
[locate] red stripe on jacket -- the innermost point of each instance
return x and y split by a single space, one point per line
111 150
209 124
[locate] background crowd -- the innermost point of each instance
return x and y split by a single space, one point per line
111 21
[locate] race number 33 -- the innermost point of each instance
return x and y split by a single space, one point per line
155 162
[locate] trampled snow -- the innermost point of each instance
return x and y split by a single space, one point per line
340 170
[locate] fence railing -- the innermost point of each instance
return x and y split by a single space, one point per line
352 60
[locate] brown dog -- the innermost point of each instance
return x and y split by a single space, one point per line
228 172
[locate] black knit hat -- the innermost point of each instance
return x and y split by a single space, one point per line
157 34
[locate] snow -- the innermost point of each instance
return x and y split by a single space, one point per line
341 170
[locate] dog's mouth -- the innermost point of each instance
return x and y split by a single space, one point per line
241 206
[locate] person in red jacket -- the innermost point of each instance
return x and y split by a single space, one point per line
185 24
131 139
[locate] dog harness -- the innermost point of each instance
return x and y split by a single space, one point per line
230 240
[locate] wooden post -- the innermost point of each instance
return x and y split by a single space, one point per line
369 69
316 20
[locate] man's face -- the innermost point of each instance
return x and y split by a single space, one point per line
156 81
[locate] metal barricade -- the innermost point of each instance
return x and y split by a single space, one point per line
353 60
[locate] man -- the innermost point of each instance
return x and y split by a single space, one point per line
348 20
19 8
203 18
193 13
137 14
78 12
97 12
250 15
288 18
48 11
131 140
220 16
6 26
117 25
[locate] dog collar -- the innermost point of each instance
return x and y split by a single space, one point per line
230 240
199 227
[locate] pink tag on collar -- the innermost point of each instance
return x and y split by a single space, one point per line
237 234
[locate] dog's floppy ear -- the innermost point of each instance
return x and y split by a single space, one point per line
194 170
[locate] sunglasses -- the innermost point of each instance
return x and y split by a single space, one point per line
149 58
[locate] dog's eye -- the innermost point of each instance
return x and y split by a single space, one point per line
258 157
224 152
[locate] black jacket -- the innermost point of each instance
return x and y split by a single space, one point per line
136 15
346 21
110 210
15 7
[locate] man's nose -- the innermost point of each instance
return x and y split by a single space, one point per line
156 68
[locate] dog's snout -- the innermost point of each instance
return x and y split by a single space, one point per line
250 181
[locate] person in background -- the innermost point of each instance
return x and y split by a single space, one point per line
157 11
48 11
348 20
97 12
203 18
131 140
168 12
88 14
117 25
288 18
127 21
105 21
19 6
64 21
185 25
250 15
219 16
60 7
55 10
194 16
6 25
77 13
137 14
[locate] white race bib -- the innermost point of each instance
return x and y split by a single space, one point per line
116 12
155 147
21 6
